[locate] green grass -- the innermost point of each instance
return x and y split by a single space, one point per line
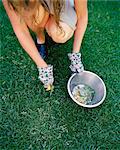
32 119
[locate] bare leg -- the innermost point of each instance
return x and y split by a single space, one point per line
23 35
58 35
41 36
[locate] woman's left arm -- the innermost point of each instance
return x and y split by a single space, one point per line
82 20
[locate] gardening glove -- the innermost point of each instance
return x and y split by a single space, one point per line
46 77
76 63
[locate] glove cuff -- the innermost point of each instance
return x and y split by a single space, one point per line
76 63
74 57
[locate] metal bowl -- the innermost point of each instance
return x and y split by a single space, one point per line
92 80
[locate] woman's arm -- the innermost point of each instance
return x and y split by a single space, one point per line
23 35
82 15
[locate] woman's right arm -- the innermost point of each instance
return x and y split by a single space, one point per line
22 32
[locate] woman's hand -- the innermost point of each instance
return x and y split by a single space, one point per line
46 76
76 63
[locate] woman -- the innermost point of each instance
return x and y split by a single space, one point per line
60 18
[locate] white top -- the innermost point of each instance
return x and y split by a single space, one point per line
68 13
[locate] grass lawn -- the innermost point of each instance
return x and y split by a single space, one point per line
32 119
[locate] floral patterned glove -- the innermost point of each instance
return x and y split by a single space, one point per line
76 63
46 76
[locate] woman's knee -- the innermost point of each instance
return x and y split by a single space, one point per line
58 38
59 35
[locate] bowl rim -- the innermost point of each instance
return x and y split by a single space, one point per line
84 105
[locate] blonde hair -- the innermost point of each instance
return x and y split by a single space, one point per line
32 7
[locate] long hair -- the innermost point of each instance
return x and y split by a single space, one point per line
32 7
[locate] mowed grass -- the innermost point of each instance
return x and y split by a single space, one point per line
32 119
